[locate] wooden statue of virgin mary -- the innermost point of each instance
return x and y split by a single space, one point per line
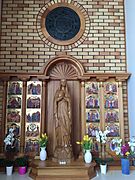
63 123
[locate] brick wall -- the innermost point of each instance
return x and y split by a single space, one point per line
1 99
102 51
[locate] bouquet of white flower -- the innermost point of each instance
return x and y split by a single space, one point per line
123 150
115 145
9 139
102 136
132 144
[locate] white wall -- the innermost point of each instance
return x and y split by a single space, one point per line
130 52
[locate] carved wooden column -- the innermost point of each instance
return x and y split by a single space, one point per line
120 103
0 10
102 121
22 138
0 17
83 114
43 105
2 136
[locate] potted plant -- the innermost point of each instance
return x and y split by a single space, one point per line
22 163
101 137
86 144
9 166
103 163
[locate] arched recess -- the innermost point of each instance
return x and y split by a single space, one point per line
52 65
64 67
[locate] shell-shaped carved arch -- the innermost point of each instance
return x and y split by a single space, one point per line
63 71
63 67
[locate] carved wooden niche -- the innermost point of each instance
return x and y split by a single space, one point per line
70 70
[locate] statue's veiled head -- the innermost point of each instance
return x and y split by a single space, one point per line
63 82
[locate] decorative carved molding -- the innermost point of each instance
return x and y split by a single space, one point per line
66 60
67 65
106 76
63 71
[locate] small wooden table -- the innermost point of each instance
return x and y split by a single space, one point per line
49 170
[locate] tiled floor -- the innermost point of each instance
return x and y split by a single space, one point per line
111 175
15 176
115 175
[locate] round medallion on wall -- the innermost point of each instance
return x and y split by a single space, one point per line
63 25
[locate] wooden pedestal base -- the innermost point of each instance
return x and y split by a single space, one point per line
48 170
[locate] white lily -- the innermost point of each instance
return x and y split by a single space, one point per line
118 150
102 136
116 141
9 139
132 144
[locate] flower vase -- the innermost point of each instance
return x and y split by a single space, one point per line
43 153
87 156
9 170
125 166
103 168
22 170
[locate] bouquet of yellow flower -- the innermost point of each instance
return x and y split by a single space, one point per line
86 143
43 140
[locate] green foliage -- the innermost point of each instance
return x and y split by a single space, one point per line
103 161
8 162
43 140
86 143
22 161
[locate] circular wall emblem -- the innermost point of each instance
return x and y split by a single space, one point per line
63 25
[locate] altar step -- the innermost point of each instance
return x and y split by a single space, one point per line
48 170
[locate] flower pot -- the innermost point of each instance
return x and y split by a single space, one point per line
22 170
125 166
103 168
9 170
43 154
87 156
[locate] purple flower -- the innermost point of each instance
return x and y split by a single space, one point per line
124 149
